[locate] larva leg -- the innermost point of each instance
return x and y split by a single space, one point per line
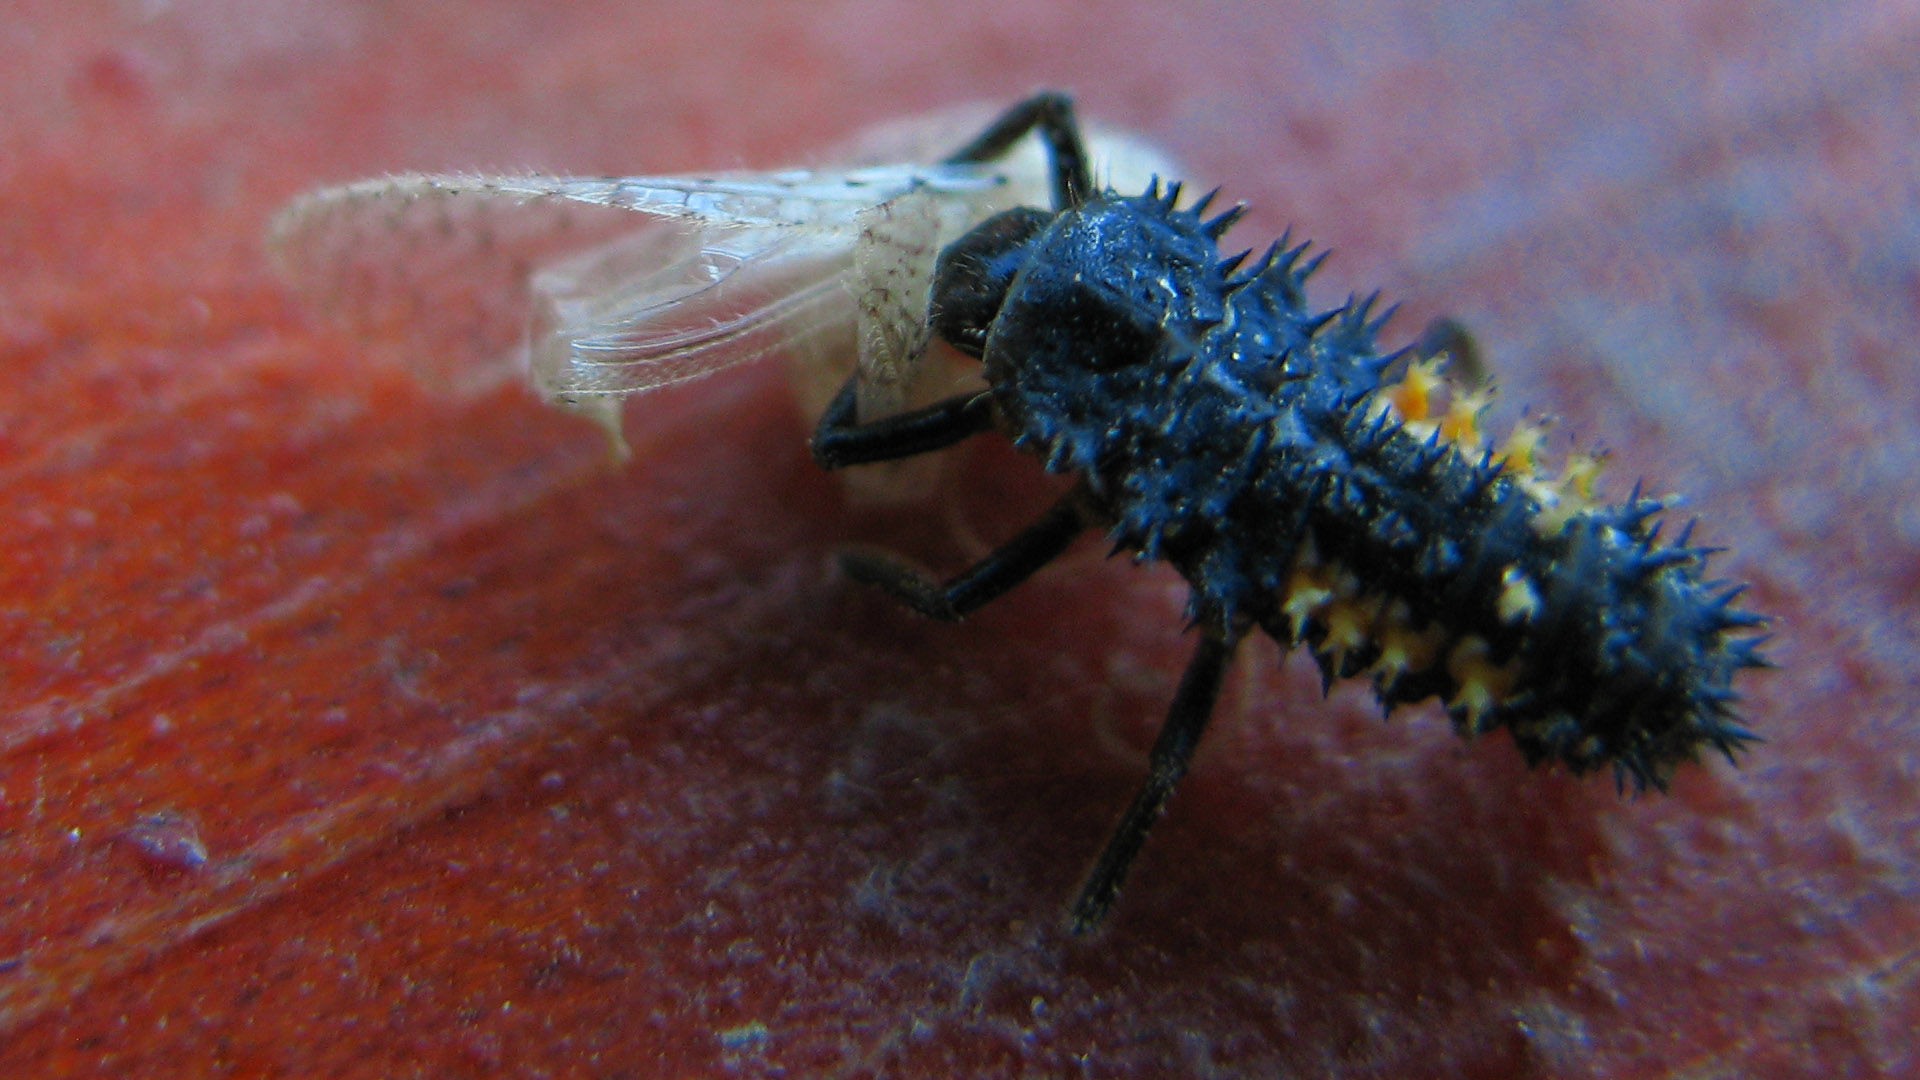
1172 750
1051 113
1465 362
1006 566
839 441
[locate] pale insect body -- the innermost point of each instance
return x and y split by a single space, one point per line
466 279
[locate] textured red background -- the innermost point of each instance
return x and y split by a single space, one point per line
503 762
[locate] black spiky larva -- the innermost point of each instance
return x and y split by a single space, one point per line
1214 421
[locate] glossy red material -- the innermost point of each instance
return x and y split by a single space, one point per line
349 729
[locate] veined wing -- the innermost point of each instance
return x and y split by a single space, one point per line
435 270
661 306
468 278
800 197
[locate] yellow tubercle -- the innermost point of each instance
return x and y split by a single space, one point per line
1461 423
1580 475
1349 620
1309 589
1412 397
1481 684
1404 650
1519 453
1519 600
1567 496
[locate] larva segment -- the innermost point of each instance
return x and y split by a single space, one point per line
1424 403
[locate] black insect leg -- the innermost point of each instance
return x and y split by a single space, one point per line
839 440
1051 112
1006 566
1465 362
1172 750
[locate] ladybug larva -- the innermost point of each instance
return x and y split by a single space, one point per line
1306 484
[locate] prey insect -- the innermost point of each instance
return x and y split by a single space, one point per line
1215 421
602 287
1306 484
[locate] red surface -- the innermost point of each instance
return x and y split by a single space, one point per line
353 731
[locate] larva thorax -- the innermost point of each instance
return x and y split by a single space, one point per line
1221 425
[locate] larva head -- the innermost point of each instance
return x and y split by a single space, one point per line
1084 321
973 273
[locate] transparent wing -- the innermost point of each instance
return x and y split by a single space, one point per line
437 271
469 278
664 306
658 308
